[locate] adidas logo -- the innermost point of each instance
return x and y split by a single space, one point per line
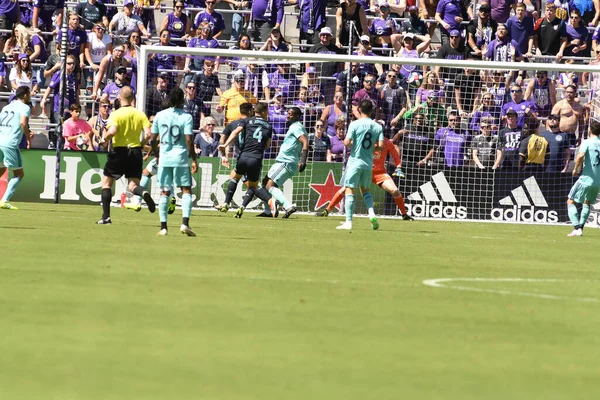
438 209
524 200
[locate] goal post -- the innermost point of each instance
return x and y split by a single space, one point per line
454 169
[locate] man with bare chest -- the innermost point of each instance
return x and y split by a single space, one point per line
571 113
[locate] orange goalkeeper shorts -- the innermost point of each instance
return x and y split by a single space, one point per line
379 178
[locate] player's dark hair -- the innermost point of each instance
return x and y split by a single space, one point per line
594 127
297 112
176 97
75 107
260 108
22 91
246 109
366 107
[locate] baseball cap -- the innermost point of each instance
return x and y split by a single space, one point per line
127 2
365 38
239 77
454 32
23 56
485 7
409 35
311 70
163 75
326 31
553 116
511 111
123 70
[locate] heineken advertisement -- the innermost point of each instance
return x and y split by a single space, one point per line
452 194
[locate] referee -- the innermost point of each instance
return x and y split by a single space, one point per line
124 128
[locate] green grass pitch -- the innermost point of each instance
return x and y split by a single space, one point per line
293 309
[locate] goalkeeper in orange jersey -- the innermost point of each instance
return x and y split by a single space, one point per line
380 177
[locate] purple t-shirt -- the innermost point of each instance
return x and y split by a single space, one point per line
215 20
454 145
288 86
501 51
337 145
278 119
520 109
493 112
580 33
75 38
70 92
10 9
520 31
380 27
449 9
176 25
47 8
501 9
314 20
362 94
268 10
198 61
113 90
37 40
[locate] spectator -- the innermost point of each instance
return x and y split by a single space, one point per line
98 45
278 117
178 24
125 22
523 108
310 81
520 29
428 86
356 78
498 89
559 145
309 109
18 42
326 69
76 40
509 139
383 27
256 78
9 16
454 50
77 132
24 40
281 82
416 141
337 141
408 50
487 110
452 141
571 113
450 14
237 19
243 43
466 90
159 62
133 40
368 92
481 31
414 24
43 11
98 123
266 15
203 39
533 151
484 148
92 12
588 10
393 101
207 85
363 49
311 19
156 94
435 113
576 34
206 143
320 144
503 48
108 67
112 90
334 112
349 11
53 63
22 75
213 18
231 99
2 72
543 91
193 104
275 42
550 31
501 9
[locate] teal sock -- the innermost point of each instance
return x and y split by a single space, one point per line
11 188
585 213
349 200
172 191
186 205
144 181
278 194
573 214
163 206
368 199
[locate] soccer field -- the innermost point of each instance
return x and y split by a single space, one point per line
293 309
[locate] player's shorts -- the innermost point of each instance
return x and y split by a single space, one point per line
10 157
151 167
249 166
358 177
279 173
124 161
379 178
179 176
580 192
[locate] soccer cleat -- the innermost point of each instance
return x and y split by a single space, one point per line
347 226
104 221
7 206
149 202
322 213
239 212
186 230
133 206
265 214
290 211
374 223
398 172
224 208
576 232
273 207
407 217
162 232
172 205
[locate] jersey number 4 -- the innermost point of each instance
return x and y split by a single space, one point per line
258 135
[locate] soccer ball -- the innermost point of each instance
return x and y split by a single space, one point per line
82 144
415 79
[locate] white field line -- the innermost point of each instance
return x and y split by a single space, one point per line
441 283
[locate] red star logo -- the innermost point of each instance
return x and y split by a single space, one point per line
326 190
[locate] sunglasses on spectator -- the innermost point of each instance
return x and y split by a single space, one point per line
575 17
487 98
319 125
369 81
191 87
178 7
205 29
210 124
392 76
515 91
70 63
210 2
105 105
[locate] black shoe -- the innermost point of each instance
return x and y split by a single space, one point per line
289 212
104 221
265 215
149 202
407 217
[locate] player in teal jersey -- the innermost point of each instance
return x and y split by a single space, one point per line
363 135
173 127
586 189
14 123
290 160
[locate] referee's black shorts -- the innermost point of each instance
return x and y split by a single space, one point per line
124 161
250 167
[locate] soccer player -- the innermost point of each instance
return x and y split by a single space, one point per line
379 177
124 128
586 189
173 127
14 123
290 160
364 135
147 174
255 138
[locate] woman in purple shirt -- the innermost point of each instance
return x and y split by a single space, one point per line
333 112
383 27
337 141
203 39
275 42
178 24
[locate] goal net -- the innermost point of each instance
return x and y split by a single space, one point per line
476 140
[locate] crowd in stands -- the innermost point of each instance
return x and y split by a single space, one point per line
441 116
